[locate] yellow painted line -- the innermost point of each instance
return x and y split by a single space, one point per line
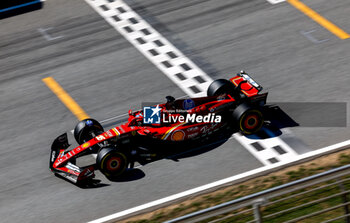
65 98
319 19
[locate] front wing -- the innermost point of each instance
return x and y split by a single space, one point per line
69 170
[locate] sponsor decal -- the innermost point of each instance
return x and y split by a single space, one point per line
88 173
72 167
192 129
100 138
178 135
151 115
188 104
165 136
73 172
208 129
53 156
192 135
69 177
61 153
250 80
85 145
116 131
109 133
64 157
121 129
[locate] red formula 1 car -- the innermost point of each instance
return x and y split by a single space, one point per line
156 131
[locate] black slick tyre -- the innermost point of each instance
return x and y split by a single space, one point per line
220 86
111 162
248 120
86 130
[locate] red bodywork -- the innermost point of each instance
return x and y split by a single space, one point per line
172 132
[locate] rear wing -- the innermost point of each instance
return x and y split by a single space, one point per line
246 84
250 80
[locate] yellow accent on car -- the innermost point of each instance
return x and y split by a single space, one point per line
116 131
165 136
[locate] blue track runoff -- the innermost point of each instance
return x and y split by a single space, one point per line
20 6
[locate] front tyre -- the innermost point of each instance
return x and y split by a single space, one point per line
86 130
111 162
248 120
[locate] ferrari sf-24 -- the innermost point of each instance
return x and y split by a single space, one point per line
235 103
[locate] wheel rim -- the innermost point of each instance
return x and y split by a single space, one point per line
251 121
113 164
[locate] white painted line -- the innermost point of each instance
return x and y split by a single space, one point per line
153 46
321 151
275 1
47 36
180 195
268 154
310 37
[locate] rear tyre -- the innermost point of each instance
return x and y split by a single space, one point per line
111 162
248 120
220 86
86 130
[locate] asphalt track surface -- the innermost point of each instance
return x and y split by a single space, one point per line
107 76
